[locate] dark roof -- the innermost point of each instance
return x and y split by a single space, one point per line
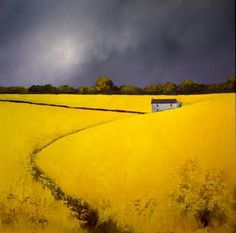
164 101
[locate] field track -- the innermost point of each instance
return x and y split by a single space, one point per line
66 106
80 209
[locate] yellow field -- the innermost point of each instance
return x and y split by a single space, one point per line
23 129
134 103
129 167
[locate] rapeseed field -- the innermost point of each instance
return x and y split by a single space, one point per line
24 205
170 171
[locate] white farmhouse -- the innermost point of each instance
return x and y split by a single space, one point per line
164 104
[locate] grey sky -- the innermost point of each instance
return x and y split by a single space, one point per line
135 42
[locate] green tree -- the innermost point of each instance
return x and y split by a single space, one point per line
153 89
93 90
14 90
65 89
125 89
231 83
104 84
43 89
82 90
169 88
188 86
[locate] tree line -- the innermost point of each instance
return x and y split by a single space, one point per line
104 85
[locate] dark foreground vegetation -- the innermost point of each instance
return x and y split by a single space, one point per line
104 85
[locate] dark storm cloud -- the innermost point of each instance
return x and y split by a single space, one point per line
133 41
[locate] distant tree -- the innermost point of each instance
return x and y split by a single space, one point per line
201 88
231 83
93 90
35 89
215 87
2 90
81 90
153 89
43 89
188 82
188 86
169 88
220 87
125 89
65 89
14 90
104 84
48 88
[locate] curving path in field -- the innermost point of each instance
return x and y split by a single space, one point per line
80 209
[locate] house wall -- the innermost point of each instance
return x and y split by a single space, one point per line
161 107
154 108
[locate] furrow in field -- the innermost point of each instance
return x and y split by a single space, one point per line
77 107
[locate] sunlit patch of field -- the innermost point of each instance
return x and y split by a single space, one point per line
134 103
24 205
145 170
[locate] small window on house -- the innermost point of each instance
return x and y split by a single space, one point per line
171 105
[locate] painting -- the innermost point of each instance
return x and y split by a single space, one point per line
117 116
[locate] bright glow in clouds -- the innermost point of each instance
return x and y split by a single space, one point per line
63 54
57 55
